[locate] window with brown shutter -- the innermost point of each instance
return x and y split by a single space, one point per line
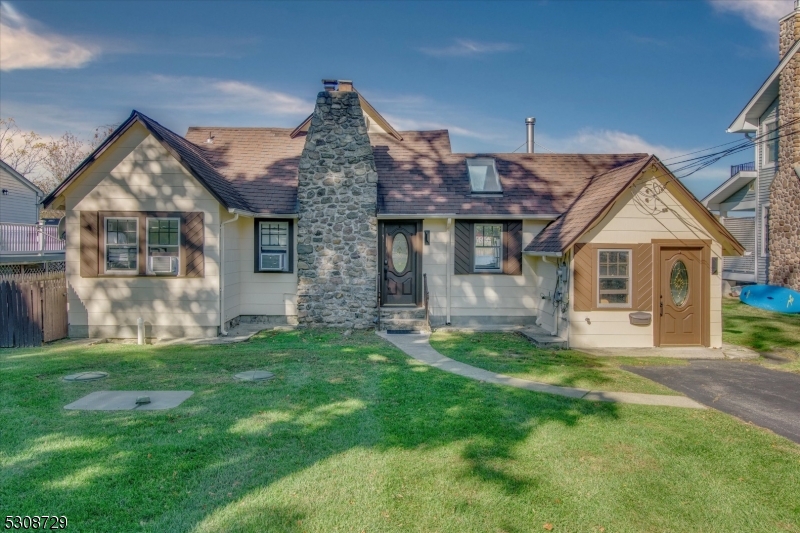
155 233
587 273
486 247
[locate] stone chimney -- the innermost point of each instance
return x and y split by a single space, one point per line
784 198
337 242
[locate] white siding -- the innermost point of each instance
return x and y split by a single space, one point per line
20 205
137 174
630 223
480 298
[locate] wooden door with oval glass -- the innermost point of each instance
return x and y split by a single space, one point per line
401 254
681 294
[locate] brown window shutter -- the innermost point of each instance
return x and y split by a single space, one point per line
90 249
463 248
583 277
512 248
643 277
193 240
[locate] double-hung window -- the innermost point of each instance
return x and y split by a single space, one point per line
273 246
163 246
488 252
770 143
122 245
613 278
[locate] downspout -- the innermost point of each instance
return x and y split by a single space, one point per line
222 330
757 221
449 255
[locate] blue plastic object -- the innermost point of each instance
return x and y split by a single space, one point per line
771 298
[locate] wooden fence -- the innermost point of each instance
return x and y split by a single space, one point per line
32 311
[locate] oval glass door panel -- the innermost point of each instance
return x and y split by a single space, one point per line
399 252
679 283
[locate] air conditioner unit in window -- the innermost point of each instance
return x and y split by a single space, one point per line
164 264
272 261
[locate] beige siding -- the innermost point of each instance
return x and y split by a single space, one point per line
475 297
630 222
137 174
20 205
256 293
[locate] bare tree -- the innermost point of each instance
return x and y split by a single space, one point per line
62 155
24 151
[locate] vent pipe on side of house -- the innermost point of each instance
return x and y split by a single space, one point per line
530 122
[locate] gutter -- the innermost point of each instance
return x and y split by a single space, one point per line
468 217
544 254
222 331
253 214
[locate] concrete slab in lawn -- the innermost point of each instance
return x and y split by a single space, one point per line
86 376
114 400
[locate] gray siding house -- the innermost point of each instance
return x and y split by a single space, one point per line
758 204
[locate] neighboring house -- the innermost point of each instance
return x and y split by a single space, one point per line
19 198
770 190
345 221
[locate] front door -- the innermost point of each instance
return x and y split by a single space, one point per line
681 297
401 268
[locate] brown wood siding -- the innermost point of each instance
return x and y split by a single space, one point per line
512 248
583 277
89 244
193 240
643 277
463 248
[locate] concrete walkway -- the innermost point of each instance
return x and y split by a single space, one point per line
418 347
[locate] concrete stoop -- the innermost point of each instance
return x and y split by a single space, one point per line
403 319
544 339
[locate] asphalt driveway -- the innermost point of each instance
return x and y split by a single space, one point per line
766 398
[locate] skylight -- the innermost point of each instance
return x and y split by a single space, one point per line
483 175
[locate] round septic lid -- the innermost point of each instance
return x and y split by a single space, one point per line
254 375
86 376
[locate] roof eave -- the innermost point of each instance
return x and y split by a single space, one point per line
747 120
730 186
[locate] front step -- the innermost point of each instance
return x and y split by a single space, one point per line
543 339
403 319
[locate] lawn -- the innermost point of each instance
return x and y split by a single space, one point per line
514 355
354 436
764 331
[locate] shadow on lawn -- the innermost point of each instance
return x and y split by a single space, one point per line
340 397
761 330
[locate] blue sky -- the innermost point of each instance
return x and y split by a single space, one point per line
662 77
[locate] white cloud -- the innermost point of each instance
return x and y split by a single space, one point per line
467 48
25 45
760 14
597 141
217 95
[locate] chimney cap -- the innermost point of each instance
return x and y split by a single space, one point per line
532 120
337 85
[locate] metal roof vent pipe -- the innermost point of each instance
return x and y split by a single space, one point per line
530 122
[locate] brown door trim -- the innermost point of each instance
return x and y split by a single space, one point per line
705 280
416 244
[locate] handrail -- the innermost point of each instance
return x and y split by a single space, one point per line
743 167
426 296
29 238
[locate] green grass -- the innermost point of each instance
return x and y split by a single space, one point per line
763 331
514 355
354 436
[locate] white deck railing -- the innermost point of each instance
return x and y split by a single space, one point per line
29 239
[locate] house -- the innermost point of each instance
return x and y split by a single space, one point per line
26 244
769 189
19 198
346 222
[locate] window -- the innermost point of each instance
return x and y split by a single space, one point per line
614 278
273 246
122 244
770 143
163 245
765 230
488 247
483 175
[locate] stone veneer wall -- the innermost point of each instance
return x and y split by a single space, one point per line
337 242
784 197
